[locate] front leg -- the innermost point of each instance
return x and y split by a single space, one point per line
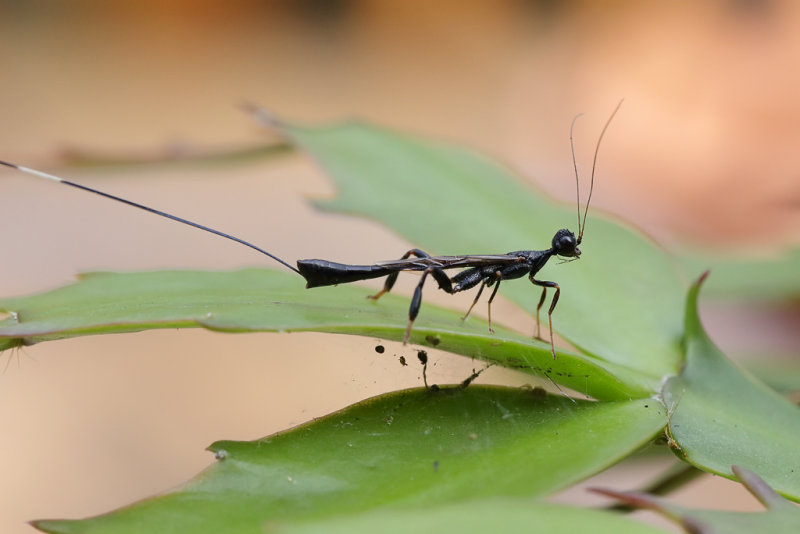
539 307
545 285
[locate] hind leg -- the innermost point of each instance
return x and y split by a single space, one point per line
416 302
392 278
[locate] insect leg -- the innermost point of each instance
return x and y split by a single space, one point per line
480 290
545 285
444 281
499 276
392 278
539 307
416 301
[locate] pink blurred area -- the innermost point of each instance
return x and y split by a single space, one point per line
703 152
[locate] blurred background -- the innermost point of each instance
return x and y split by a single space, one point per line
702 156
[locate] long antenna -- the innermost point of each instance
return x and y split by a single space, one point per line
577 180
594 165
41 174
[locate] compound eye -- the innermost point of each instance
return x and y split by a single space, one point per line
566 243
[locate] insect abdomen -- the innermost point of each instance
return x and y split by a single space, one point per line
327 273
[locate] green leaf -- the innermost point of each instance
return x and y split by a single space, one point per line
621 301
479 517
263 300
720 415
411 449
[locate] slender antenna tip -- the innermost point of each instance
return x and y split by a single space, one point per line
582 225
7 164
574 120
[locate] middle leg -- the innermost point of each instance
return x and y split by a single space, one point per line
499 277
474 301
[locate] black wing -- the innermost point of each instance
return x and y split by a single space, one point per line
449 262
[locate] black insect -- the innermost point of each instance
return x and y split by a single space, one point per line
484 270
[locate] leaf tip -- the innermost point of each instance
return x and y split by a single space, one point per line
692 318
53 526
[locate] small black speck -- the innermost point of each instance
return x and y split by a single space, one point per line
403 361
433 340
423 357
646 405
379 349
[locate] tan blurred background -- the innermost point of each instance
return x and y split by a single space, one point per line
703 153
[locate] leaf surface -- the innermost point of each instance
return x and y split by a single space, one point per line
412 449
720 415
479 517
